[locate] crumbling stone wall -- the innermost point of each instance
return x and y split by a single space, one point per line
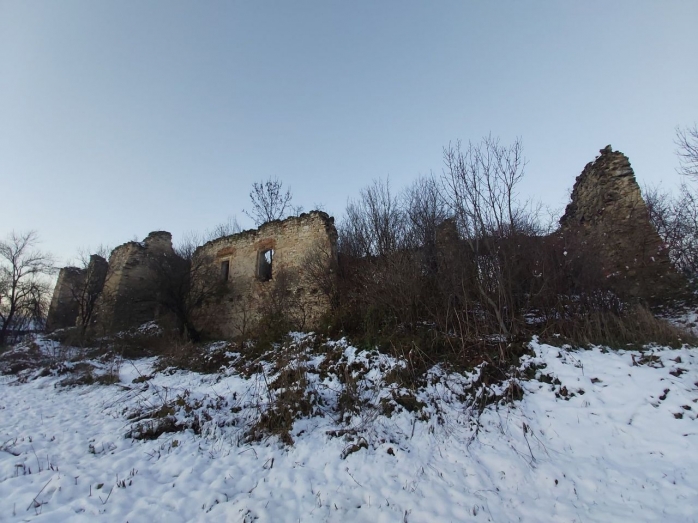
609 217
64 309
127 299
87 295
298 246
96 274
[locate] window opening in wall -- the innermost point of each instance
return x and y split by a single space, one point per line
264 265
225 270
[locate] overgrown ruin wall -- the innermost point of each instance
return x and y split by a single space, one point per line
278 269
275 264
298 246
127 298
608 214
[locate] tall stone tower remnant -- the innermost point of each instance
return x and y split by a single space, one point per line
64 308
127 298
610 217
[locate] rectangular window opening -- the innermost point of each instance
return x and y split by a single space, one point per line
225 270
264 264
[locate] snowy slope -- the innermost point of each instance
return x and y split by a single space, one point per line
616 439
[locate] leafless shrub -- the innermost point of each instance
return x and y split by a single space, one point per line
480 186
281 308
320 271
425 210
374 224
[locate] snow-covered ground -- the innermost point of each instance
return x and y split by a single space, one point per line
616 439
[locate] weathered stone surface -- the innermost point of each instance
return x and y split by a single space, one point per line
127 297
297 244
609 216
75 294
256 265
64 309
96 274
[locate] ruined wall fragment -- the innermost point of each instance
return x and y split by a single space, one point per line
95 275
128 296
608 216
256 264
64 309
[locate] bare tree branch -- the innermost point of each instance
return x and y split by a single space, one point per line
676 221
23 290
227 228
269 201
687 143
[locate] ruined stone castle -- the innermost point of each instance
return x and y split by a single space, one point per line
282 263
251 266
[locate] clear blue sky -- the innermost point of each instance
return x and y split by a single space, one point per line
118 118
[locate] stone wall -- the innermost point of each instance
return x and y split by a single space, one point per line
297 246
97 271
64 309
609 216
275 262
95 275
127 299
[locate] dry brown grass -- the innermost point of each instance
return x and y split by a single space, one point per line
633 328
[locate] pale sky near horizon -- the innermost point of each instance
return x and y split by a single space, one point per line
120 118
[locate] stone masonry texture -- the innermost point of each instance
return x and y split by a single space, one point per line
64 308
608 214
294 243
127 298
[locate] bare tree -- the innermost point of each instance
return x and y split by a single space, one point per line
386 256
23 288
184 282
676 221
479 185
269 201
425 210
687 143
94 268
374 224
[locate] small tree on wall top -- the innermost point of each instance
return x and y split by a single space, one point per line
269 201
